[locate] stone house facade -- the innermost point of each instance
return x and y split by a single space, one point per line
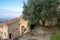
23 26
10 29
3 31
14 28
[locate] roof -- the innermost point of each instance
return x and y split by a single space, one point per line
9 22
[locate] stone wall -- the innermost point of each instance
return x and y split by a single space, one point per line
23 26
3 31
14 29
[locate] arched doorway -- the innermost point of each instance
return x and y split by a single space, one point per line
23 30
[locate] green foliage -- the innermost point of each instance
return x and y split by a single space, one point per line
31 33
56 37
36 10
32 39
16 38
58 24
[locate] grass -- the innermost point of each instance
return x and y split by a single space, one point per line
56 36
32 33
16 38
52 30
32 39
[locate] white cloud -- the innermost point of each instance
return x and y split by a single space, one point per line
15 9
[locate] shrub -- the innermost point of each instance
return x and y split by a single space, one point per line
56 36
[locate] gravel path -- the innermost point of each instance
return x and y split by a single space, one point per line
37 34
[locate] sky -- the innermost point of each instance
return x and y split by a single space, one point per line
11 8
12 5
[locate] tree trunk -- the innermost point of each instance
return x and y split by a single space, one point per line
43 22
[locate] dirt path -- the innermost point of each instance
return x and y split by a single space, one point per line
37 34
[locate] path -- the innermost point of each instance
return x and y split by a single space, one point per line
37 34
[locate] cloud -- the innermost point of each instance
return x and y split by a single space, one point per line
15 9
8 14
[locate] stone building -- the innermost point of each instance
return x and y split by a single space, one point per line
10 29
23 26
13 28
3 31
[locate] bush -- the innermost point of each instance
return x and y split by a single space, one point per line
56 36
58 24
16 38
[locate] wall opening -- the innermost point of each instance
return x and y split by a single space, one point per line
10 35
0 38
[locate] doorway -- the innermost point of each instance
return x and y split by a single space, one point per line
10 35
0 38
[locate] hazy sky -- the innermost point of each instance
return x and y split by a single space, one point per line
12 5
10 9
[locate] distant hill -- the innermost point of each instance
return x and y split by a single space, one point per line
7 15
